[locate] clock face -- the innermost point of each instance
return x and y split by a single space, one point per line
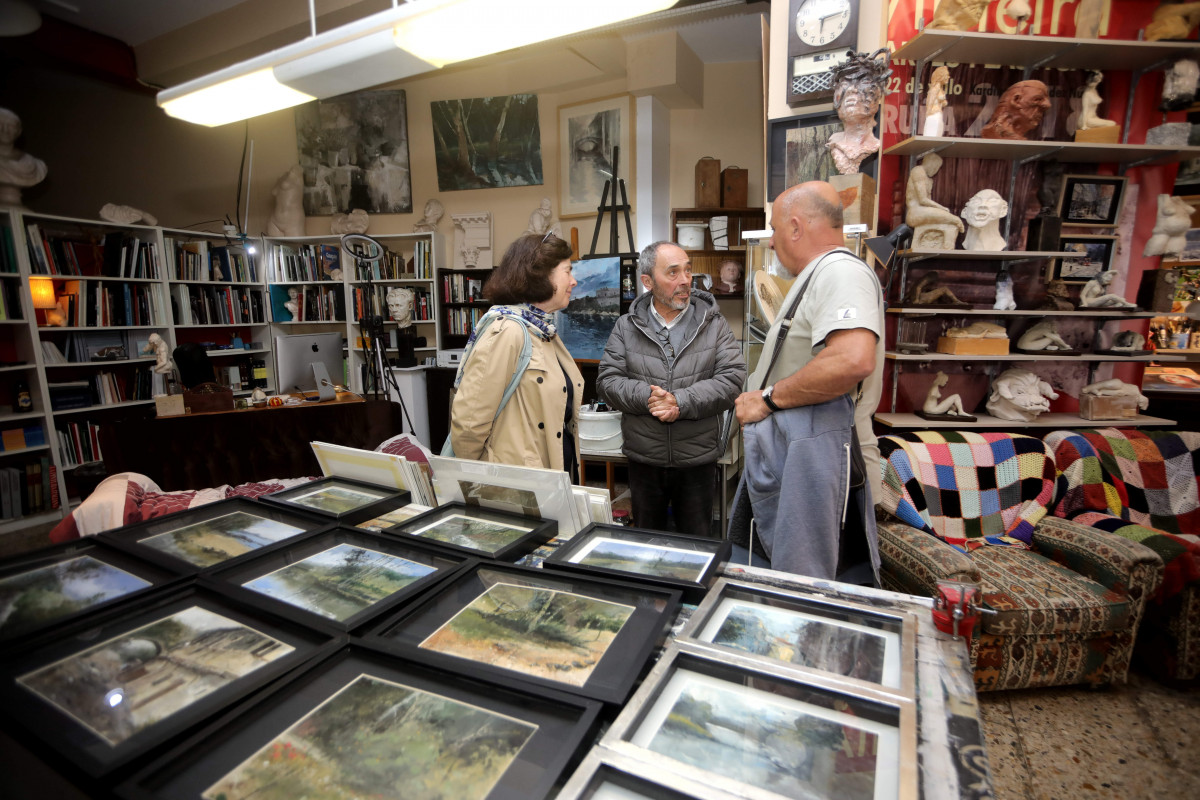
819 22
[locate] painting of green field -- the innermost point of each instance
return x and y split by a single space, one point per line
380 739
126 684
221 538
336 499
645 559
341 581
540 632
41 595
476 534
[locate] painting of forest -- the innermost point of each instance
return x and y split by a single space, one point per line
473 533
801 639
487 142
647 559
341 581
380 739
336 499
540 632
40 595
126 684
220 538
766 741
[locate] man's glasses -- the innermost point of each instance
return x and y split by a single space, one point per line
664 336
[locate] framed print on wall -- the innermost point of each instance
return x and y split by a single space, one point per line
1095 256
587 134
1091 200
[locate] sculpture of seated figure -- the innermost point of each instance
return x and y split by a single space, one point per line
1019 395
1089 117
983 213
1095 293
1042 336
978 330
926 292
1115 387
938 407
1129 340
935 227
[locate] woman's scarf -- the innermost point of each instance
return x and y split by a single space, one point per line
541 323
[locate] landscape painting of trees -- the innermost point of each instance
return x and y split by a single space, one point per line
337 499
487 142
647 559
40 595
472 533
221 538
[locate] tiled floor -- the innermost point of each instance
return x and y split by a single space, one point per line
1133 741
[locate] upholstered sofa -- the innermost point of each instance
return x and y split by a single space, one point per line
968 506
1142 486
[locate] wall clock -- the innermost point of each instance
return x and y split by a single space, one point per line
819 34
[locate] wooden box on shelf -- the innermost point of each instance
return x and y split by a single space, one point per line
1096 408
708 183
735 187
972 347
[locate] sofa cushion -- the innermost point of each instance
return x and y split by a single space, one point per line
1034 595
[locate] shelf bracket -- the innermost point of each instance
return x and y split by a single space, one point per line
1028 70
1135 78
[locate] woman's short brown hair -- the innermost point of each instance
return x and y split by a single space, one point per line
524 272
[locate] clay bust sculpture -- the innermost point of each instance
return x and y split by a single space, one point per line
935 104
288 217
1095 293
1019 111
859 84
1042 336
400 305
978 330
18 170
1179 85
1088 116
937 406
1169 237
1020 396
926 292
433 215
983 213
935 227
1115 387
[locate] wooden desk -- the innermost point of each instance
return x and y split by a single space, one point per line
342 397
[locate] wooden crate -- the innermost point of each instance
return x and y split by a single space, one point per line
708 183
735 187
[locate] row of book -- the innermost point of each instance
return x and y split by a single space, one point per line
22 438
312 303
216 305
105 388
306 262
461 321
10 301
117 255
458 288
394 267
422 310
197 261
27 490
79 443
107 345
96 304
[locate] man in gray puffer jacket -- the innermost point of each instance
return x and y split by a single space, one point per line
671 367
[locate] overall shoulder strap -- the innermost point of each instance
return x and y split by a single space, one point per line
785 322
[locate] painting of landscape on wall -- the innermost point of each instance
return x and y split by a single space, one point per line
41 595
539 632
471 532
336 499
124 685
221 538
487 142
341 581
646 559
380 739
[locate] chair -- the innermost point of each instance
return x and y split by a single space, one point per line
1143 487
972 507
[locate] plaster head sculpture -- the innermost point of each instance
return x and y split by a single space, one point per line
400 305
935 102
357 221
1179 85
1043 336
935 227
288 217
126 215
1019 395
18 170
983 213
1169 237
433 215
1089 117
1095 293
1115 387
1019 111
292 304
859 84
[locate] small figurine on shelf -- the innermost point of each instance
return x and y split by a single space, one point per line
1004 292
1019 395
978 330
1129 340
935 103
162 363
936 407
983 213
1179 85
926 292
1169 237
541 220
1173 21
1058 297
1019 111
1115 387
1043 336
1095 293
935 227
126 215
433 215
1089 117
292 304
859 84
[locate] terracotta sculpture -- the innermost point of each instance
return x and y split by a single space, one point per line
288 217
162 363
978 330
1020 396
1004 292
937 406
1169 237
18 170
357 221
935 227
859 84
1019 111
1095 293
126 215
935 104
1173 21
400 305
1058 297
1042 336
433 215
983 213
926 292
1088 116
541 219
1179 85
1115 387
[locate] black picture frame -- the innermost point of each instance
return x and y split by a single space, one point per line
388 499
538 531
234 579
777 135
1100 250
610 678
59 735
12 631
134 538
564 723
580 555
1091 200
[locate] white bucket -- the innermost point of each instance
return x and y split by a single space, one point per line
605 444
691 234
600 430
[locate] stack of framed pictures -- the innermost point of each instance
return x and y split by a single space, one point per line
341 578
218 533
475 531
346 501
608 775
535 627
346 727
686 563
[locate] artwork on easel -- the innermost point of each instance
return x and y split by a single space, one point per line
589 318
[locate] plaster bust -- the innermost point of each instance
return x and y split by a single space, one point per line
18 170
1019 111
731 278
400 305
292 304
1020 396
859 84
1095 293
433 215
983 213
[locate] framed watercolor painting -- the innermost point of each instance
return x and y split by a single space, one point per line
527 491
1095 255
587 134
1091 200
475 531
347 724
588 636
341 499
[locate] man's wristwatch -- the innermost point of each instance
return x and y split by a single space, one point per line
766 396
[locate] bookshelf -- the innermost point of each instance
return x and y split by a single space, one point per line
462 304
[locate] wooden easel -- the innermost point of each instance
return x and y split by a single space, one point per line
610 189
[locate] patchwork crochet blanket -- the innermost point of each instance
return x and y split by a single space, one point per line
968 489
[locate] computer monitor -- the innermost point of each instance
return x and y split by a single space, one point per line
297 355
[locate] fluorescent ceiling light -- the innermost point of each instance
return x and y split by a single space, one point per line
240 97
